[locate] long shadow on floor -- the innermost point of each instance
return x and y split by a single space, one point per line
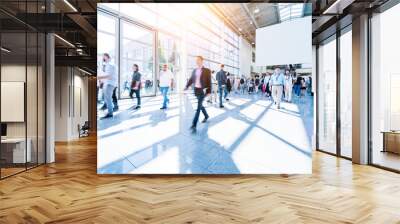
196 152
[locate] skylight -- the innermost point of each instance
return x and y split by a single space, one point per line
288 11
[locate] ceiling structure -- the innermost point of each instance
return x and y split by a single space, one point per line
247 17
74 21
327 15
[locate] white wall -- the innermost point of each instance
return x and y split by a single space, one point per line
71 102
284 43
62 82
80 109
15 72
33 126
245 57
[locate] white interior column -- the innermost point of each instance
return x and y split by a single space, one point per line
360 90
50 98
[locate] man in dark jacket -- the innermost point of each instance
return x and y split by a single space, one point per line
222 82
136 84
201 80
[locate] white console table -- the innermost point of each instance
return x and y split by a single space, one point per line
18 149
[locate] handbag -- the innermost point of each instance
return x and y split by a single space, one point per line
133 85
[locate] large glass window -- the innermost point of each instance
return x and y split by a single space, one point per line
108 33
169 53
385 92
327 96
346 94
137 47
41 97
15 152
200 31
22 94
32 97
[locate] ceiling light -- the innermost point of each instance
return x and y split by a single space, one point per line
240 29
5 50
70 5
64 40
257 10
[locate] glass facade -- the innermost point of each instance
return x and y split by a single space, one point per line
327 96
179 37
22 77
346 93
169 52
335 94
137 48
385 89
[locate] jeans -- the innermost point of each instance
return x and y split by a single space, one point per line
108 92
164 92
242 88
297 89
114 97
200 99
222 89
137 93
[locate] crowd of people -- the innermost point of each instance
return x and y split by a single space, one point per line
208 85
277 85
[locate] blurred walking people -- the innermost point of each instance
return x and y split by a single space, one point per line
211 98
236 85
222 81
257 83
166 82
108 77
288 86
229 83
277 82
201 79
297 85
242 85
136 84
267 83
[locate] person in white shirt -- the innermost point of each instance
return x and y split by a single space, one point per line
267 85
109 77
288 86
236 85
214 86
277 82
166 81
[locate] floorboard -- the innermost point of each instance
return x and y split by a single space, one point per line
70 191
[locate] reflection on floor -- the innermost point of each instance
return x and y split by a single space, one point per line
386 159
5 172
247 136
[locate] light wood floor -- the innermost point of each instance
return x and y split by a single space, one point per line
70 191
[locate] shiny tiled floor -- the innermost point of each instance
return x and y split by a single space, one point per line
248 136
